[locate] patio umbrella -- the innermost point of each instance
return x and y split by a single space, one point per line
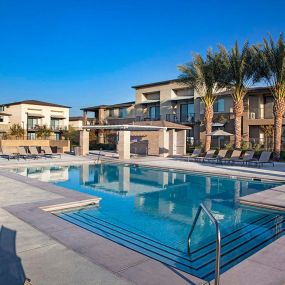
219 134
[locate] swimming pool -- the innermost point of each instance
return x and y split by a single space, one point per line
152 210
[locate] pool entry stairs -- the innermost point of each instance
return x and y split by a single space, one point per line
235 245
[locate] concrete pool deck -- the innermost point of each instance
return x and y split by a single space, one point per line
54 251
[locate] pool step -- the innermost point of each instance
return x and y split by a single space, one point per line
236 245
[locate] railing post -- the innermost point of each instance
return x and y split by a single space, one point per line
218 239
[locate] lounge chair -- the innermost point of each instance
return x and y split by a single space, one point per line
23 153
248 156
35 153
234 157
220 156
194 154
208 155
6 153
263 159
48 152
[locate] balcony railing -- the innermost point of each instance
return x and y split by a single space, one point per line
52 127
189 118
146 118
258 113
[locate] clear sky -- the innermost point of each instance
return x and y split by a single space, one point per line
88 52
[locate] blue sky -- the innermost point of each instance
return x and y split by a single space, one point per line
88 52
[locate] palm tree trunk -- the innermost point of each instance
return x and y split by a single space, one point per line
278 109
238 111
208 118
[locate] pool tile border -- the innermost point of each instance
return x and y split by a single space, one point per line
123 262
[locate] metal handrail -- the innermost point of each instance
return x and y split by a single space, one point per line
218 239
99 155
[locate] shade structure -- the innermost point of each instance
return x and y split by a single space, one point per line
220 133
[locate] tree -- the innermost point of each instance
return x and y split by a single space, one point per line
270 66
17 131
268 131
72 135
237 74
43 132
202 74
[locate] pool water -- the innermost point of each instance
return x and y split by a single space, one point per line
152 210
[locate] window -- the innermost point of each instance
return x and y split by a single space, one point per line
1 108
154 112
112 113
54 124
1 119
187 113
31 136
32 122
58 136
123 112
219 105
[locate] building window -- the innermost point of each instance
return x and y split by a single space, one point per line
58 136
54 124
32 123
187 113
154 112
123 112
219 105
112 113
1 119
31 136
1 108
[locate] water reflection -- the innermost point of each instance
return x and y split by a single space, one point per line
46 174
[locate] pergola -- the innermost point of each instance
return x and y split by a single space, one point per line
171 137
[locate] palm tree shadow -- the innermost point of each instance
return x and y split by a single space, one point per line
11 269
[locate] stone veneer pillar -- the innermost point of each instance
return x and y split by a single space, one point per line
172 142
163 143
181 142
84 142
124 145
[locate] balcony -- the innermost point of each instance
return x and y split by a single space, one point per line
183 119
35 128
260 113
146 118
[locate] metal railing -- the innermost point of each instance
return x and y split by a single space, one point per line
218 239
182 118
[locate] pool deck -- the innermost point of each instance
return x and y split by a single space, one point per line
54 251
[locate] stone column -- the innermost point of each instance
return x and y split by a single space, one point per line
85 116
84 142
123 147
181 142
163 143
172 142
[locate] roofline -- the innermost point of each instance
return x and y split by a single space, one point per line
130 103
35 103
156 83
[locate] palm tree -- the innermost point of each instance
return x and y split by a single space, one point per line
201 74
237 77
271 67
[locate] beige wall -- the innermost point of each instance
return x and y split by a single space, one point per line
76 124
166 93
19 114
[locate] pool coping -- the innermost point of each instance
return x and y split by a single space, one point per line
94 246
180 169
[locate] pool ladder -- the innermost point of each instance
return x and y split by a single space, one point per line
218 239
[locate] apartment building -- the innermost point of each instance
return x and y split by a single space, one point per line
174 101
32 114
